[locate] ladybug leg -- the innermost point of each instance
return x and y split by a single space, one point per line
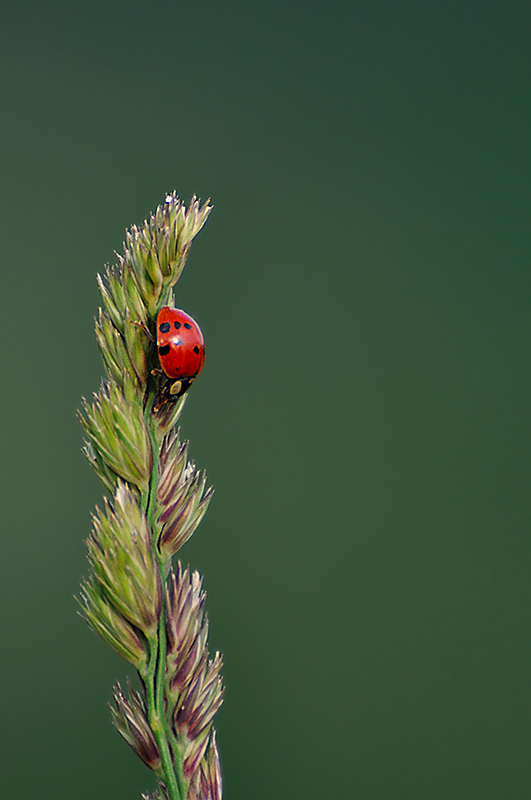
158 406
144 328
163 396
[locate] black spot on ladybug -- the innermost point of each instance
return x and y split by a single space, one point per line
164 327
187 325
176 324
196 349
163 351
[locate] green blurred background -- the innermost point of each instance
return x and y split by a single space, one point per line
364 288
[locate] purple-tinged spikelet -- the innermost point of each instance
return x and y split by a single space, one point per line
182 500
130 719
206 784
186 629
193 681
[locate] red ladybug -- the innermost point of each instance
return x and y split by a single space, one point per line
180 346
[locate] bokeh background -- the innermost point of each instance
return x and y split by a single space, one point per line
364 288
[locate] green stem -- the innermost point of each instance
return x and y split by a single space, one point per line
155 681
156 722
177 766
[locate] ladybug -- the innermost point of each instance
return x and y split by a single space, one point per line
181 348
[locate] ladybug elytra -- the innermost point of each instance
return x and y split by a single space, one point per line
180 346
